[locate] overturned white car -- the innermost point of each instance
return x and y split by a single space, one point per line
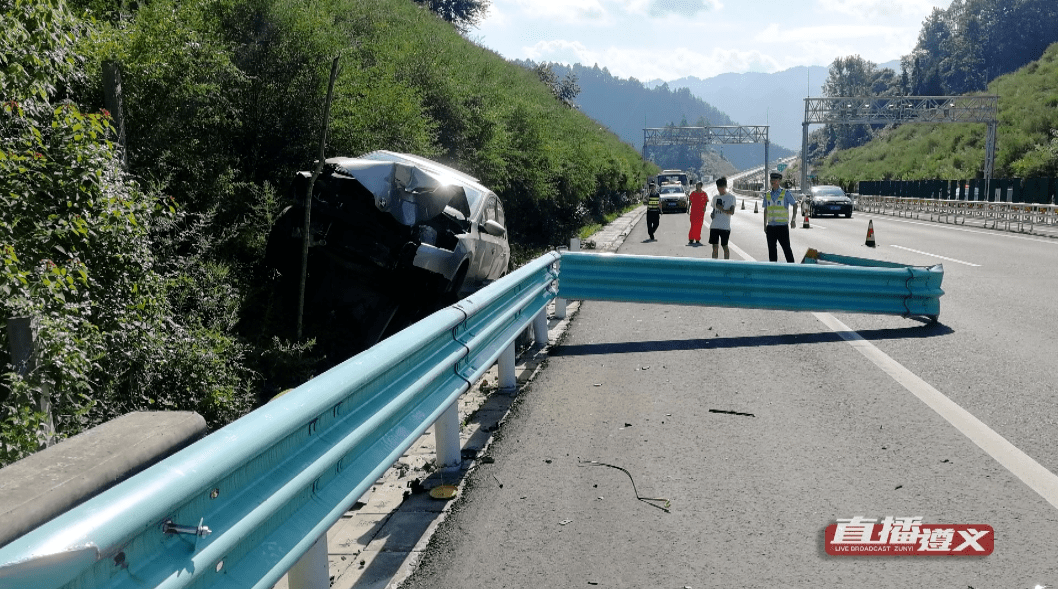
394 237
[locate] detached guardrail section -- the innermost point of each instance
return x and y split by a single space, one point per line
884 287
241 506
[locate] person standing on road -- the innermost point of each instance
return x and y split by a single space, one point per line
777 219
696 209
720 225
653 210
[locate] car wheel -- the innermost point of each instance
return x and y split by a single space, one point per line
848 215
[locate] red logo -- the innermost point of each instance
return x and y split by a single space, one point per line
862 536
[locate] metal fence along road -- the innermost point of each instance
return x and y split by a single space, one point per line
1009 216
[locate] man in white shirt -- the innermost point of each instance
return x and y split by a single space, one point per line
720 226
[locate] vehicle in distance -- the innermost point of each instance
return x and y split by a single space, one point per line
828 200
674 176
394 238
673 198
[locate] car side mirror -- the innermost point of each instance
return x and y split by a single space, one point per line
493 228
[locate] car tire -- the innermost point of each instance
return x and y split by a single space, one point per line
848 215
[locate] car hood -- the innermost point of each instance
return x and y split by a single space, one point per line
831 198
410 194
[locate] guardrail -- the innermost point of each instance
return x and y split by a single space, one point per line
993 215
242 506
885 288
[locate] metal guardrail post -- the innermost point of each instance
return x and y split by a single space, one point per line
22 342
540 328
560 303
312 571
446 438
508 379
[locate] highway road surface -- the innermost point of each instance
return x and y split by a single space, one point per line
669 446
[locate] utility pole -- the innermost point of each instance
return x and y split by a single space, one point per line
306 230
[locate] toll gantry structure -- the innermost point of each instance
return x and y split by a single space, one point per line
704 136
874 110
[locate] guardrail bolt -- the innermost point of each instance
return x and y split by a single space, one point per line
200 530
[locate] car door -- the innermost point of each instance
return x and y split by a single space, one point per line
494 248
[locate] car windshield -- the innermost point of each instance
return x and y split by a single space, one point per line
828 191
671 190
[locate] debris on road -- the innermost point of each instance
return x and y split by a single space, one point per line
731 412
647 500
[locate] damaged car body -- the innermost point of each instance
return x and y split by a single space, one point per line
394 237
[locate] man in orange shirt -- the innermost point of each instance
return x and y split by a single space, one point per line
696 209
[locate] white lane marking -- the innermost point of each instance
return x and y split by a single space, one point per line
1021 465
937 256
740 252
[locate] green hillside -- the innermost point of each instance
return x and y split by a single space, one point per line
1027 138
147 286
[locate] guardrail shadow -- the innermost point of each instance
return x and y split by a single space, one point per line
718 343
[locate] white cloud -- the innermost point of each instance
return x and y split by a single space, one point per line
565 11
667 64
669 39
684 8
560 51
822 44
871 9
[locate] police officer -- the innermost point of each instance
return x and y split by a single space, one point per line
778 220
653 210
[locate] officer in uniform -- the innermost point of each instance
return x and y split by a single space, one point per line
778 220
653 210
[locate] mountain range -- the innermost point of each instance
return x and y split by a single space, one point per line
776 100
627 106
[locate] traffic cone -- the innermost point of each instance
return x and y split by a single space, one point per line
743 204
870 234
805 225
755 207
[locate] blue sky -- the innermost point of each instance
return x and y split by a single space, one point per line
670 39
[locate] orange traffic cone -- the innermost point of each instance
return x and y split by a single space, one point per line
805 225
870 234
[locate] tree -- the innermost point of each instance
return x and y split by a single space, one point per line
565 89
78 242
464 14
851 76
963 48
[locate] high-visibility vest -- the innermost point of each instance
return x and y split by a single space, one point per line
654 201
778 214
